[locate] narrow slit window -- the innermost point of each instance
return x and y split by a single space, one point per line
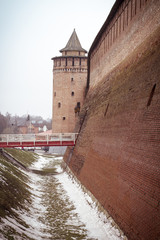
151 95
59 105
64 118
106 109
72 94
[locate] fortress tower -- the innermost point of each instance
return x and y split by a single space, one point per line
69 82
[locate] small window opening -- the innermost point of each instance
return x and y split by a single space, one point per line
59 105
55 94
64 118
106 109
151 95
71 79
73 62
78 104
77 108
72 94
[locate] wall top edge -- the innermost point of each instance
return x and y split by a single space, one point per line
106 23
60 57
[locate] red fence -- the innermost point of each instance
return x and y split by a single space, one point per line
37 140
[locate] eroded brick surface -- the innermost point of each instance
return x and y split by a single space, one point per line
117 155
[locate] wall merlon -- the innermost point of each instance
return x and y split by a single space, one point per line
108 42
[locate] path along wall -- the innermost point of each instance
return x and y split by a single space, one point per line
117 154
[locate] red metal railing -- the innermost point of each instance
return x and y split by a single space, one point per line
37 140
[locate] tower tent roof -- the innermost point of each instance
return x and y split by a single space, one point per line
73 44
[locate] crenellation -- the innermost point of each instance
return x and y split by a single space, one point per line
128 14
69 61
69 81
77 61
63 62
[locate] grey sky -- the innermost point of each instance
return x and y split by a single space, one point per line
32 32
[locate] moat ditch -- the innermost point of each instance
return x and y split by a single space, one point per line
46 206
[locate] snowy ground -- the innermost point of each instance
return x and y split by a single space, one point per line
97 224
60 209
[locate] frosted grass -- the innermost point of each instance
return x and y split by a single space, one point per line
59 209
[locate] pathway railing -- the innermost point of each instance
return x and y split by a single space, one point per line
33 140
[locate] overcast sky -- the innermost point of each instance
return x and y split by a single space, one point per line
31 33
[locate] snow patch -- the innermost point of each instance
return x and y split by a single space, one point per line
97 224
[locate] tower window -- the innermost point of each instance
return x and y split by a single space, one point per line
72 94
54 93
59 105
77 108
78 104
71 79
64 118
73 62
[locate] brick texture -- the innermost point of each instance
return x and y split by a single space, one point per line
117 154
133 22
69 82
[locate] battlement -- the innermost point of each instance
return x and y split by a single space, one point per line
69 62
128 24
69 83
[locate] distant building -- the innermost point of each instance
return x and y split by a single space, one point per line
69 82
32 127
28 129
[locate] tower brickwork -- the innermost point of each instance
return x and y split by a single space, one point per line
69 83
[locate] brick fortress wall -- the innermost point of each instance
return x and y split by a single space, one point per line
117 154
133 22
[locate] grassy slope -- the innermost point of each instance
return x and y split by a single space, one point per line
25 157
14 191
